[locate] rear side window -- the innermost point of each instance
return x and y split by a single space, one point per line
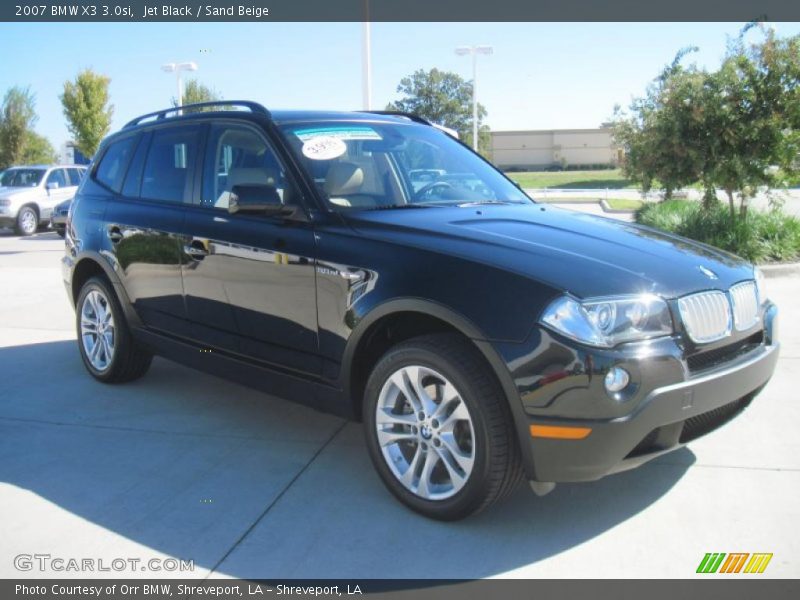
169 164
57 178
112 166
75 176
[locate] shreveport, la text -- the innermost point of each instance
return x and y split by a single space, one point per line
182 590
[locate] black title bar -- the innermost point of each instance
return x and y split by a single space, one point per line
397 10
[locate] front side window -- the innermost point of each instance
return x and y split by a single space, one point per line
21 177
363 164
239 155
112 166
169 163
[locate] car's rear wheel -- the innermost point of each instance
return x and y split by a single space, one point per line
107 348
438 429
27 221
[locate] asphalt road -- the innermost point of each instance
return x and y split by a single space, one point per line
181 464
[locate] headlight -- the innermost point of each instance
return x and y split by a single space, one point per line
761 286
606 322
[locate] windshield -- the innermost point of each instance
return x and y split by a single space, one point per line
362 165
21 177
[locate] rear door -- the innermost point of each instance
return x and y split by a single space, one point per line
250 279
145 224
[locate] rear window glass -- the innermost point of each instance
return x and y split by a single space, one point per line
21 177
112 166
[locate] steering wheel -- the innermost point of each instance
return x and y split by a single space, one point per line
420 193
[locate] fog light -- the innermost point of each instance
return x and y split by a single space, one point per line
616 379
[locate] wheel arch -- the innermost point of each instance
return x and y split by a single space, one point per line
92 264
355 372
390 323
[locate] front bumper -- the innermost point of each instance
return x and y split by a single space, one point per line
668 407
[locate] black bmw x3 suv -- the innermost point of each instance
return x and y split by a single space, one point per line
371 265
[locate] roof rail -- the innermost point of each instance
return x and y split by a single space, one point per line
399 113
254 107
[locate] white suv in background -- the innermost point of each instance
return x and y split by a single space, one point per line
28 194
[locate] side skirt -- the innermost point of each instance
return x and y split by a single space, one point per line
312 393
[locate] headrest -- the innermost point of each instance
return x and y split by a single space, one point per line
251 176
343 178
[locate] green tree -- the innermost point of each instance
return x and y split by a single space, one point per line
87 110
443 98
17 118
754 118
195 92
735 129
38 150
659 136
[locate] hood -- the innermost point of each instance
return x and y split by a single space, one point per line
18 193
574 252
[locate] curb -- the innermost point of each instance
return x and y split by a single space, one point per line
615 211
780 270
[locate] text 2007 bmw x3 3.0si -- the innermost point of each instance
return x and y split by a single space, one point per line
372 266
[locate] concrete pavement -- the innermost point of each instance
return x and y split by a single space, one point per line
181 464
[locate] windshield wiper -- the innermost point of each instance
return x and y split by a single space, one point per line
482 202
396 206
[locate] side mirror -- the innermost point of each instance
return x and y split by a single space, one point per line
257 199
53 185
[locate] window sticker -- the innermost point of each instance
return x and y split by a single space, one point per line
323 147
342 133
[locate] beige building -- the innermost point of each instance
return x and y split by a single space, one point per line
554 147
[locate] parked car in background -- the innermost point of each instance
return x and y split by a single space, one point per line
58 218
372 266
28 194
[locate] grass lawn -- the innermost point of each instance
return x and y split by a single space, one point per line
594 180
624 203
616 203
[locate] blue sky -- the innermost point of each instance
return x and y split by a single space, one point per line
541 75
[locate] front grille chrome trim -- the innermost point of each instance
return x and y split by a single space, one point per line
744 299
706 316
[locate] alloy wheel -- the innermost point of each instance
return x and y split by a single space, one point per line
425 432
97 330
28 222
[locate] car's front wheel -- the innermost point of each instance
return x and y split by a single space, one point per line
438 429
27 221
107 348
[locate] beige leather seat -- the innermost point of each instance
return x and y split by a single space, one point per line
349 184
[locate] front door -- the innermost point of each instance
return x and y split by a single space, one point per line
249 281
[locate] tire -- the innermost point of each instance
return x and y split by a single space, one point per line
27 221
118 358
62 233
472 444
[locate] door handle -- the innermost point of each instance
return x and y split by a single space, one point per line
114 234
196 250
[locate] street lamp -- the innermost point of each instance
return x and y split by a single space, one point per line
474 51
177 68
366 60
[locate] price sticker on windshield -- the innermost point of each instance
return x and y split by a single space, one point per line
324 147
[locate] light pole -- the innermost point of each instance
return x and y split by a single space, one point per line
177 68
474 51
366 60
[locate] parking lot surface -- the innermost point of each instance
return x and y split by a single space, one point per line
181 464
